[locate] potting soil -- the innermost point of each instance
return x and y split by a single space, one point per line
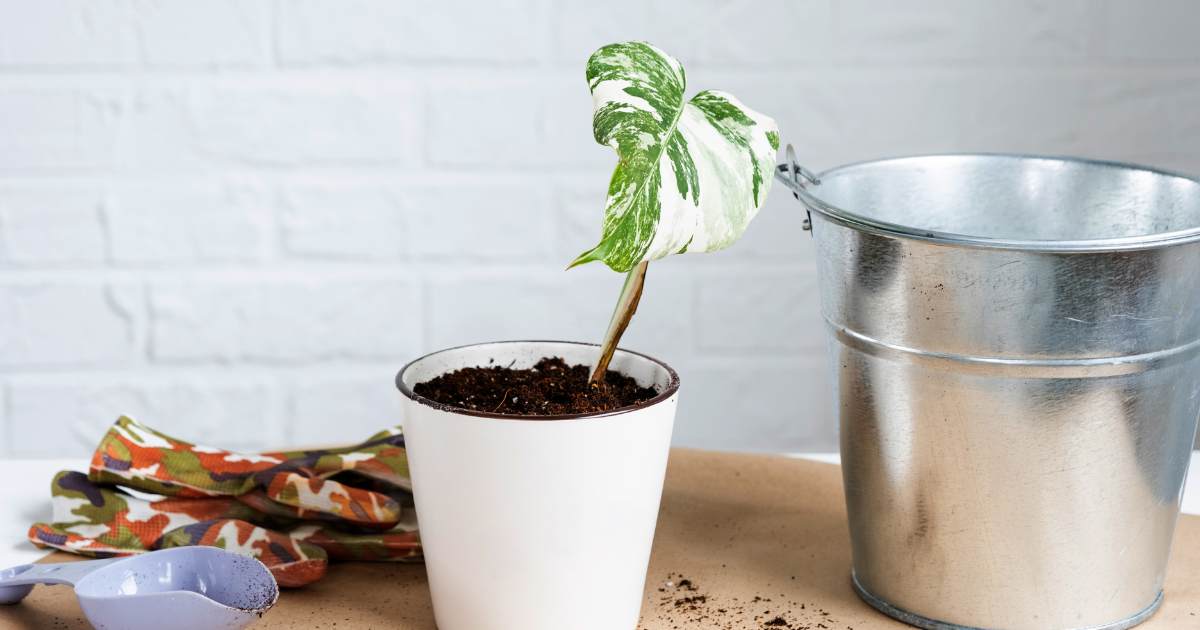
551 387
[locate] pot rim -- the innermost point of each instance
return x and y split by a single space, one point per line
672 387
1124 243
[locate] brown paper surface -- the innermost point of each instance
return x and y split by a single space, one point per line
737 527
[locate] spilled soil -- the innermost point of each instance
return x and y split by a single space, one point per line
682 603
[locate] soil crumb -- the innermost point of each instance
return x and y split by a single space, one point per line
549 388
678 607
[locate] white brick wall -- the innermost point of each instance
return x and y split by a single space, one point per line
237 219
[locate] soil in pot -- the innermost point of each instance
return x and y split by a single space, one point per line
549 388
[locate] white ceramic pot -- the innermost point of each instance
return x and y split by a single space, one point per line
537 522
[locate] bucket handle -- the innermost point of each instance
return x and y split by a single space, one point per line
794 176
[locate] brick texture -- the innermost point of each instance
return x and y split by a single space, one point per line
236 219
59 129
63 323
211 410
65 33
46 225
165 222
338 220
365 31
283 320
340 409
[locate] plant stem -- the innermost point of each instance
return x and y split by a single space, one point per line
627 304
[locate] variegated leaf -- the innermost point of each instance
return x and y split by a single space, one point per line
691 174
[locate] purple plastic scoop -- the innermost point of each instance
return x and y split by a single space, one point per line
185 588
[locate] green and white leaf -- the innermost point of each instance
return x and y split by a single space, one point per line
691 175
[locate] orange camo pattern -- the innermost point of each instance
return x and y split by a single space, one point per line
281 508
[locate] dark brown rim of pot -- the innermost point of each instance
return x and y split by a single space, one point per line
672 387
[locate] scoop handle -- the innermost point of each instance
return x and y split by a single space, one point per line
17 582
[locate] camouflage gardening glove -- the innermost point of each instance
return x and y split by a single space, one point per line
283 508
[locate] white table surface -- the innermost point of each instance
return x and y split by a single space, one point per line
25 498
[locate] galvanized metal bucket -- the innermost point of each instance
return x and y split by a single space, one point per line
1015 350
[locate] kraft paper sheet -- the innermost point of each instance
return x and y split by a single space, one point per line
736 527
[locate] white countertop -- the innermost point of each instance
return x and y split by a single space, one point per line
25 498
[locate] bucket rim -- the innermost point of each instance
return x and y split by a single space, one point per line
884 228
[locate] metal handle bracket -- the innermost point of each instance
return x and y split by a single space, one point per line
794 177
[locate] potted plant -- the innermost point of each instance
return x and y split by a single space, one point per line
538 466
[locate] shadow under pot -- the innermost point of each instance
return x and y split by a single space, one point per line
537 522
